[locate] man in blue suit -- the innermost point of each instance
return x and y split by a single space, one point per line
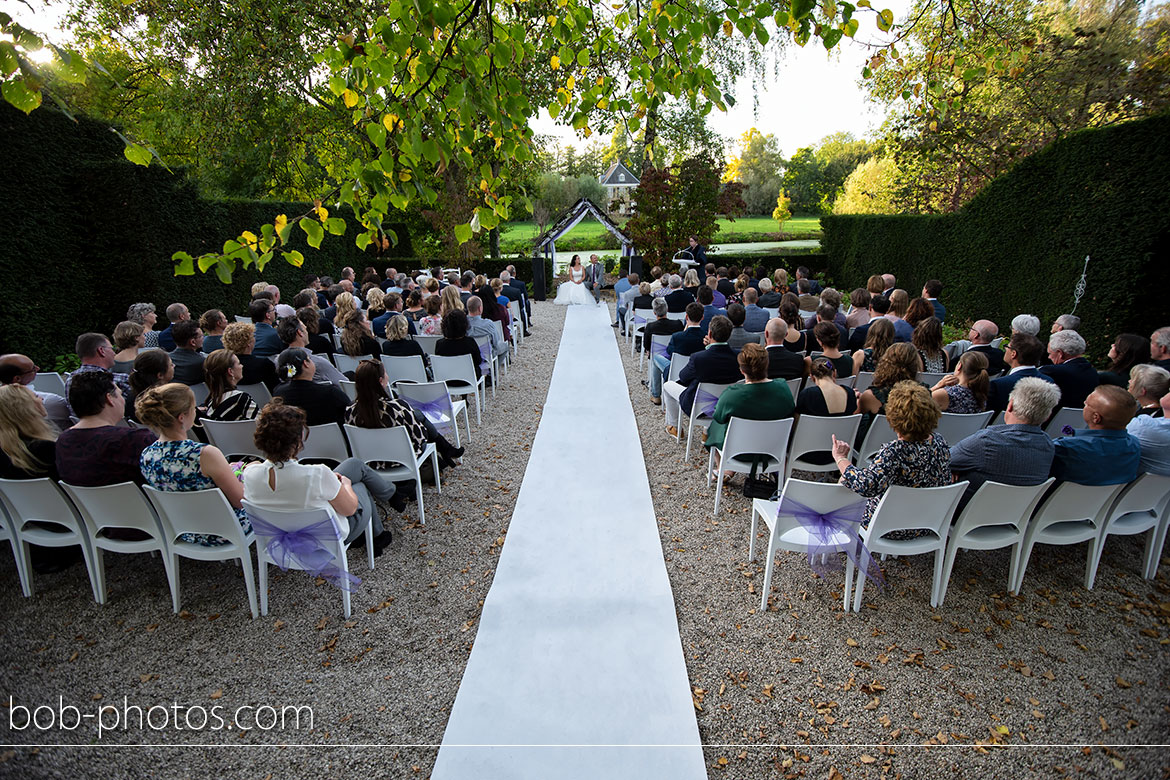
687 341
1074 375
268 342
930 291
717 364
1104 453
755 318
1022 357
710 310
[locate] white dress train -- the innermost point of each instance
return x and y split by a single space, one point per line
573 293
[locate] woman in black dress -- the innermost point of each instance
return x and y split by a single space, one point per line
357 339
455 340
322 403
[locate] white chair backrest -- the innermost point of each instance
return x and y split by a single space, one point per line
347 363
325 442
1071 502
658 344
50 382
640 317
122 505
996 342
847 381
409 368
350 389
916 508
930 378
430 399
385 445
499 326
863 381
706 397
879 434
26 500
998 504
427 343
757 437
233 438
195 512
815 434
295 521
514 310
677 364
1070 416
997 420
773 313
681 316
456 369
243 318
794 386
485 353
1148 493
819 496
956 427
259 392
201 392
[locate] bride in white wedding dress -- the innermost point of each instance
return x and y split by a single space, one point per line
573 291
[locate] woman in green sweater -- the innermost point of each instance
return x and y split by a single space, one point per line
760 398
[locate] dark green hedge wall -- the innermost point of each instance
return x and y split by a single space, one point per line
89 233
1020 245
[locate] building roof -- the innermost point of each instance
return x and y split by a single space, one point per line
618 175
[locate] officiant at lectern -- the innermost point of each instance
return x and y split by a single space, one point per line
697 258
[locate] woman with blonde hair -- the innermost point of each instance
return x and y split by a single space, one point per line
346 307
450 300
899 303
964 391
129 337
691 281
374 302
177 464
28 441
780 279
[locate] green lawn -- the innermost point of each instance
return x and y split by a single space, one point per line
517 231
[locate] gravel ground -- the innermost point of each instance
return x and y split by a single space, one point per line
801 691
387 676
983 681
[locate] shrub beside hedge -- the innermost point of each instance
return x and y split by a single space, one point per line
1020 245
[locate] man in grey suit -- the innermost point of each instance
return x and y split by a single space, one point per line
594 276
1016 453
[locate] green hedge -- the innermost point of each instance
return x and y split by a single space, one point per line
1020 245
89 233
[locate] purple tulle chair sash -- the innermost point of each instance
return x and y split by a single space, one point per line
705 402
657 349
822 527
436 411
306 546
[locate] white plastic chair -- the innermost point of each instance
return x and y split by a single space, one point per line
701 416
773 313
259 392
489 364
862 381
794 386
1144 506
293 521
750 437
201 392
421 396
956 427
847 382
658 344
31 502
50 382
681 316
427 342
233 438
7 534
996 516
815 434
879 434
997 420
1071 514
677 363
1070 416
243 318
383 446
459 374
350 389
202 512
517 325
405 368
119 506
324 442
930 378
637 325
907 508
785 532
346 363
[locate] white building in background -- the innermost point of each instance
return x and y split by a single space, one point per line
619 184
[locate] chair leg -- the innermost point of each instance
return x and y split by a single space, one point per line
171 564
948 564
1153 552
690 427
939 554
422 519
849 567
99 568
1096 545
767 585
262 569
249 582
710 464
1025 554
752 537
435 467
24 568
859 589
718 489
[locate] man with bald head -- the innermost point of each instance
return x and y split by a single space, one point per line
16 369
982 333
783 363
889 281
1104 454
282 309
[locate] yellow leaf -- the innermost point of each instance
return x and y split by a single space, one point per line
552 20
570 82
722 761
556 62
1002 729
404 176
867 759
350 98
727 28
851 642
389 120
603 103
249 237
322 213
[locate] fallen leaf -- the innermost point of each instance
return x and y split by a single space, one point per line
1103 722
217 695
873 704
867 759
851 642
278 625
1122 683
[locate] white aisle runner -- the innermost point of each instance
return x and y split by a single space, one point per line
577 669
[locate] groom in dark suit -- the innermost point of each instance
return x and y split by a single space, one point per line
594 276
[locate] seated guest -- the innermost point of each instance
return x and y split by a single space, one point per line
876 285
151 369
129 337
930 291
859 312
1026 323
678 298
928 339
899 304
319 343
691 282
17 369
828 334
1072 373
783 363
323 403
808 301
399 344
661 325
267 341
899 363
1148 384
879 306
97 356
769 295
755 318
831 298
99 450
825 313
176 464
823 397
1104 454
963 391
240 338
1066 322
918 458
176 313
28 441
357 338
376 303
814 286
497 286
1017 452
1128 350
374 408
879 336
795 339
759 398
739 336
456 340
1153 435
981 335
1023 355
710 310
684 341
480 324
212 323
432 323
716 364
919 311
414 310
187 356
1160 348
452 299
293 334
644 299
888 283
718 299
222 373
393 308
144 315
624 299
780 282
284 484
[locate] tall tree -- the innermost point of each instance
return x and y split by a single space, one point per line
759 167
815 176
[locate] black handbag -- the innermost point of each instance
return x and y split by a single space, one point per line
762 486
